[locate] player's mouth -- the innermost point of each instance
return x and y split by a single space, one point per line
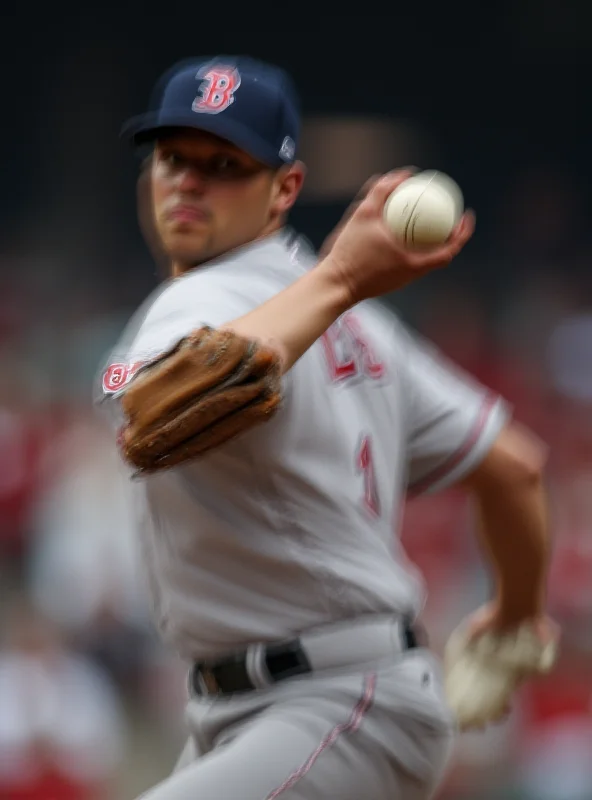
187 213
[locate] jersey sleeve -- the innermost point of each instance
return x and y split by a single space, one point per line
160 323
452 420
177 316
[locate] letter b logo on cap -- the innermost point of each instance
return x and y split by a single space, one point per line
217 91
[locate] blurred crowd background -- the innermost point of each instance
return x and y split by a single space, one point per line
90 705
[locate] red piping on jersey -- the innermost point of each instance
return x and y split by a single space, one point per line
351 726
455 459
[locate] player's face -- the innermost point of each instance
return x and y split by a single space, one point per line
209 197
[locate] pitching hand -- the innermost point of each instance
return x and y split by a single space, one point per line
367 260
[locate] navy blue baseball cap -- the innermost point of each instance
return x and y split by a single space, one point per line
250 103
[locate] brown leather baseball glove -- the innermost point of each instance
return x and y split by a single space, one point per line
210 387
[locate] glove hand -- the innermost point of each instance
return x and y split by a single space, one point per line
486 660
207 389
541 631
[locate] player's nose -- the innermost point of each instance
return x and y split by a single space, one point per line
190 180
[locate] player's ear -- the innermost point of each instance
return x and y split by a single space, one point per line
287 185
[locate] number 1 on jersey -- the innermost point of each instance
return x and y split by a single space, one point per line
365 465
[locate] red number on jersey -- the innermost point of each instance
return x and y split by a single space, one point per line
365 465
339 354
348 351
371 366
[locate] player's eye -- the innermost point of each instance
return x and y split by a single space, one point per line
223 165
172 160
219 166
226 166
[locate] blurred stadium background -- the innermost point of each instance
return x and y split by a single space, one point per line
498 96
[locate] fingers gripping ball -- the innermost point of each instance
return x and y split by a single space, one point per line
424 210
210 387
482 674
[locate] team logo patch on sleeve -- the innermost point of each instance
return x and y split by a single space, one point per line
118 374
219 83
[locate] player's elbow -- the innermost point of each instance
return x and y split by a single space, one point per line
517 459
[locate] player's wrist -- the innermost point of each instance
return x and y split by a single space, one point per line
515 605
329 274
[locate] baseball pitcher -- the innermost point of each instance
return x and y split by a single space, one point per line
273 419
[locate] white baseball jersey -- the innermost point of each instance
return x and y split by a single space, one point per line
294 524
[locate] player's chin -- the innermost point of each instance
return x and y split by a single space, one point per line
185 233
186 248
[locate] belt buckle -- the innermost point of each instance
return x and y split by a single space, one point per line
292 656
207 681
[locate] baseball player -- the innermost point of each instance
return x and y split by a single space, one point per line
274 419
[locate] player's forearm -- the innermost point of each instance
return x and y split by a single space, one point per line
514 531
294 319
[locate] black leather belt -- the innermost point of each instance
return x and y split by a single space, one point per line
281 661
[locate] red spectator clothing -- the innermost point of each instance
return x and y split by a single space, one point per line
436 531
51 786
22 442
549 704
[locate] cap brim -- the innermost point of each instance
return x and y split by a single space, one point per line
146 128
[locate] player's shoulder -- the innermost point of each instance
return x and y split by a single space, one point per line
385 321
243 278
212 294
403 339
378 313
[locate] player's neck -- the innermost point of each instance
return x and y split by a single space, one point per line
273 226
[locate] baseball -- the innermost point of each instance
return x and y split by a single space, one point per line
423 211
